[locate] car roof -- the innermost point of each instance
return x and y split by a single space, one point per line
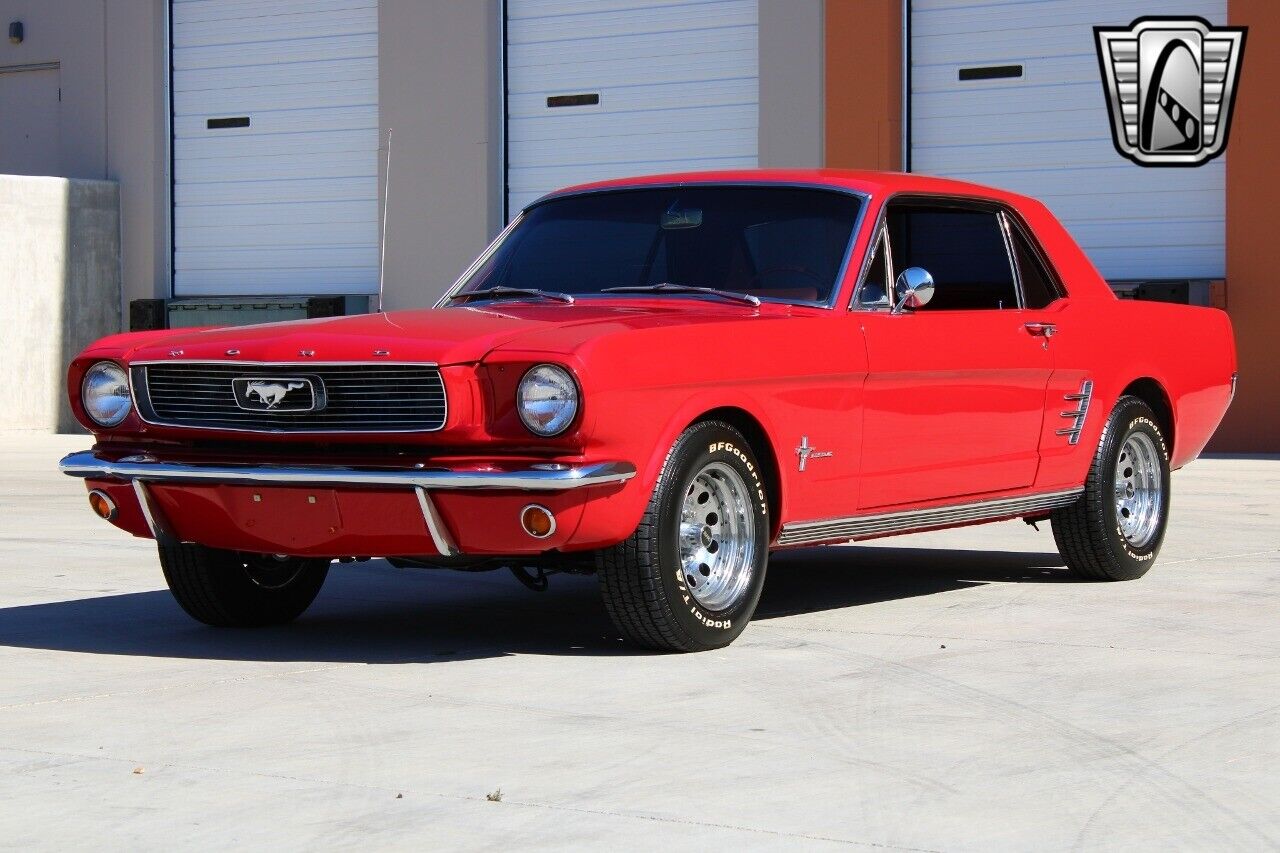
875 183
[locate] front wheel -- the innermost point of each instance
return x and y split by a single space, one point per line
688 579
1114 531
234 589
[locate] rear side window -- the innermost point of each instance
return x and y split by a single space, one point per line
1038 287
964 250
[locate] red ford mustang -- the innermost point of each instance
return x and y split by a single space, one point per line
660 381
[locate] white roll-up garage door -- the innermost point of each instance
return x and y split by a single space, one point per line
275 147
1047 133
608 88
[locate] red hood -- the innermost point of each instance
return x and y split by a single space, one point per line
445 336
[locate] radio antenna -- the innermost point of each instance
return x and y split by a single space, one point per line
386 202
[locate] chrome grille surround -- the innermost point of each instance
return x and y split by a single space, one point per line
361 397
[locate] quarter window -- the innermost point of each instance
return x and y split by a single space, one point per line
1038 288
963 249
875 290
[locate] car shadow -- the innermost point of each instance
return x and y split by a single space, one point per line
373 613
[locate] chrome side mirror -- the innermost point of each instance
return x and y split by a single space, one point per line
913 289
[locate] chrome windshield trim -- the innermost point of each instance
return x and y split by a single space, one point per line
547 478
836 287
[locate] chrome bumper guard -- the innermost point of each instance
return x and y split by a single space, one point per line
139 470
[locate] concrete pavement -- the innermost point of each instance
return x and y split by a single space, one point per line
948 691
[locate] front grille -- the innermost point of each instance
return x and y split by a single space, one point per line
355 397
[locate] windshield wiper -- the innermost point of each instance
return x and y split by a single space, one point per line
502 290
668 287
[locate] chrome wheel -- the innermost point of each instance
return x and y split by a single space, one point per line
1139 489
717 536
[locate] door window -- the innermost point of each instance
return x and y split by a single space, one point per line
962 248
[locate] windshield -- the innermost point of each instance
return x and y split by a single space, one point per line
773 243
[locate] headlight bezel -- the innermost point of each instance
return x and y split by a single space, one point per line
118 416
561 424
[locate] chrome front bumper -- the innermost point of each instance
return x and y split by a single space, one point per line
549 477
141 469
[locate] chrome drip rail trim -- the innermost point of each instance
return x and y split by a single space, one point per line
547 478
867 526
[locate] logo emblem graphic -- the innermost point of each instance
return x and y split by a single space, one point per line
278 394
1170 85
805 452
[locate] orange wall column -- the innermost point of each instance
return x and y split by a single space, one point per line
864 84
1253 227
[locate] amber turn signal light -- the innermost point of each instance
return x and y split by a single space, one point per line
537 521
102 504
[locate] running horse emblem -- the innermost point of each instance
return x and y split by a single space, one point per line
271 393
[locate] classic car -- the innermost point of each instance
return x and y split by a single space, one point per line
660 381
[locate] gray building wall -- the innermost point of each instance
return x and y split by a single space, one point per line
113 71
792 99
440 93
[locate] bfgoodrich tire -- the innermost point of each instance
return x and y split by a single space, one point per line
231 589
689 577
1114 531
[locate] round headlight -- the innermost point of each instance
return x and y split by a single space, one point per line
105 393
547 400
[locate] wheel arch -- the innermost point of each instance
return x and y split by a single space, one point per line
758 437
1151 392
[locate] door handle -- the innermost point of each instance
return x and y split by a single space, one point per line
1043 330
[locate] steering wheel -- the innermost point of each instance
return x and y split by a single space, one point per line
808 273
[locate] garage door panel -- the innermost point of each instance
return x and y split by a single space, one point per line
713 94
1038 73
694 119
631 45
266 258
727 142
1092 181
271 213
530 21
1048 133
276 144
251 28
727 63
266 123
247 193
293 196
275 53
998 18
258 280
677 81
319 71
197 11
261 168
1175 262
280 232
528 185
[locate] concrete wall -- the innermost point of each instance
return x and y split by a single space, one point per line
791 83
60 288
439 91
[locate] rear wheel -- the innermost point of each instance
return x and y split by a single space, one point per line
235 589
1114 531
690 576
